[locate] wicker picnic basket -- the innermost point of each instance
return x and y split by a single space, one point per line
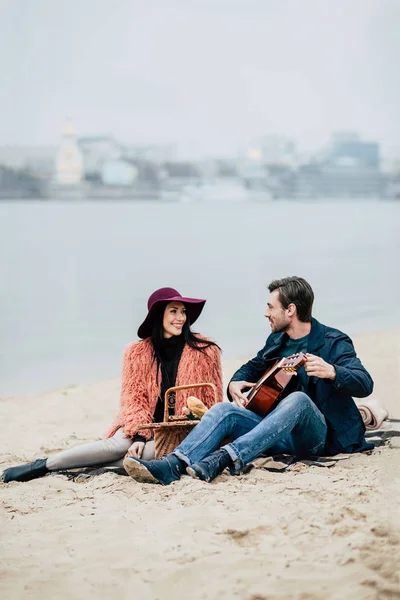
173 430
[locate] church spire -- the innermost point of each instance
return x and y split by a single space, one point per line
69 164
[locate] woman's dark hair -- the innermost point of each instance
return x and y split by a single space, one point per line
187 336
297 291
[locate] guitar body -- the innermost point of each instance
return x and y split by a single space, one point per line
265 395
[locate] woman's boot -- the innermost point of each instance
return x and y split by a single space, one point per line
26 472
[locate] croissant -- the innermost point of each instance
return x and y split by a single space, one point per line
196 407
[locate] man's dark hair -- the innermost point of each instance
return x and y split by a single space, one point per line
295 290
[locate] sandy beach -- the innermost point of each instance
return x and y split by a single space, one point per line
308 533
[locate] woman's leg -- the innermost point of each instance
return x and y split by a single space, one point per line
104 452
148 454
93 453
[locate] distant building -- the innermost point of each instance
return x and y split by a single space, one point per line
19 184
36 158
347 149
348 167
273 150
181 170
325 181
178 174
124 173
226 168
269 164
96 151
215 168
41 166
69 168
119 172
155 153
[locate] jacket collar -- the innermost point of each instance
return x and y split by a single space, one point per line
317 336
276 341
315 341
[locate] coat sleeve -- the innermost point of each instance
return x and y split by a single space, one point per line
351 376
250 371
134 402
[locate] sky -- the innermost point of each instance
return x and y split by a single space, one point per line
209 75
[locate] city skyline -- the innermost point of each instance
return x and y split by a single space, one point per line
209 76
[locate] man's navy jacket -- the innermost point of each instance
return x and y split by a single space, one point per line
333 398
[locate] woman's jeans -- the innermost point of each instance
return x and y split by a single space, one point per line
296 426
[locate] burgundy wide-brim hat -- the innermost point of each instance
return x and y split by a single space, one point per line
194 306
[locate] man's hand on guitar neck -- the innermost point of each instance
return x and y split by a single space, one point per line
235 390
317 367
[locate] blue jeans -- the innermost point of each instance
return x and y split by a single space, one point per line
296 426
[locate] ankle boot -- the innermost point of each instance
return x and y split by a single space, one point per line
26 472
211 466
161 470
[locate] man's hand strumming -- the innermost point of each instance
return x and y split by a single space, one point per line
235 390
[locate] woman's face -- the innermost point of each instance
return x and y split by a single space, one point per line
174 319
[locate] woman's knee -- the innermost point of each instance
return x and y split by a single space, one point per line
117 445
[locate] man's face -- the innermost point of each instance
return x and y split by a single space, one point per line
277 315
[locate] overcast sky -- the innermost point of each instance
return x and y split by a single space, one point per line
208 74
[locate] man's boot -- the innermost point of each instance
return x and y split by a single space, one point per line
211 466
162 470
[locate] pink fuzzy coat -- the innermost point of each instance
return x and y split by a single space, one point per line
140 390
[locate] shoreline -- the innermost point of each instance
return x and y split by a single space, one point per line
230 365
308 533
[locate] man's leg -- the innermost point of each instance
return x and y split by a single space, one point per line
296 426
223 420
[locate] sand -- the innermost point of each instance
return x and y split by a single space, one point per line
307 533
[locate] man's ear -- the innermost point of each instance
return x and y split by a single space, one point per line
292 310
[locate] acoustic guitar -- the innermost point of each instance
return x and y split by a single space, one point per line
266 394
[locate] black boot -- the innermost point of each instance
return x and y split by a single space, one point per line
161 470
26 472
211 466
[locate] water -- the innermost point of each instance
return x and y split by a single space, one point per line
75 277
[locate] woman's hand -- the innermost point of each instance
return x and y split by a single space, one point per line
136 449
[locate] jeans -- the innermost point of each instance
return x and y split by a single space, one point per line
296 426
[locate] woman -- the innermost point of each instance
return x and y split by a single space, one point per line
168 354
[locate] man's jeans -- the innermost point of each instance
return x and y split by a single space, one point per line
296 426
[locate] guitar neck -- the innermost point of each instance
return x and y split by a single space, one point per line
282 365
265 394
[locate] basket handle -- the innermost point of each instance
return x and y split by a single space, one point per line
177 388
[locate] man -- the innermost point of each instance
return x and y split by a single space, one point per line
316 416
